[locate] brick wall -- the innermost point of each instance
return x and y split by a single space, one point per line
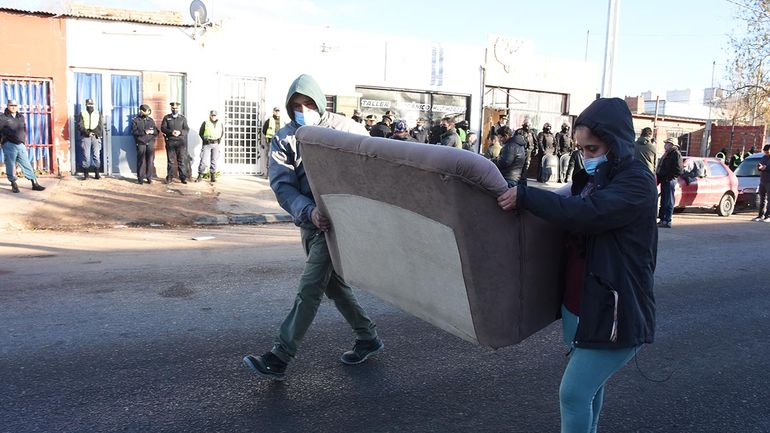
635 104
736 138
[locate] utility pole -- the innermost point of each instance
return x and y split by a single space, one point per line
706 145
585 58
610 47
756 95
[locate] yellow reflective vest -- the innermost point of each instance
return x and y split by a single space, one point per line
90 120
213 131
270 132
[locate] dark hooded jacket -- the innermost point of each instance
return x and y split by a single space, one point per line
287 174
513 156
618 221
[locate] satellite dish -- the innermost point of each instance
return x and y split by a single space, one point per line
198 12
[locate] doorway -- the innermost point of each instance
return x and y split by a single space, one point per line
243 105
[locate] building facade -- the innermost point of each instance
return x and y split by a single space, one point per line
123 58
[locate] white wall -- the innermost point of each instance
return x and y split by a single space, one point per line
339 60
514 63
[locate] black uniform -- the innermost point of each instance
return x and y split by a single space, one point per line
546 145
532 168
381 129
176 147
145 145
563 142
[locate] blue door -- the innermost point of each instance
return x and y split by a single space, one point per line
125 96
87 85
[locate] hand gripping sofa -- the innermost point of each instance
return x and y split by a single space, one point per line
419 226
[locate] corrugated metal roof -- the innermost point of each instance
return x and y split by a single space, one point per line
54 7
80 10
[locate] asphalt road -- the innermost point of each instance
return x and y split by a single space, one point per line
143 330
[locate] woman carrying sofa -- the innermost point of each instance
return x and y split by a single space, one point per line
608 310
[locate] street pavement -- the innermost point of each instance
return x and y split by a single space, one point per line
143 330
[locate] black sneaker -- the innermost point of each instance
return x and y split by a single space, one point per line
362 350
267 365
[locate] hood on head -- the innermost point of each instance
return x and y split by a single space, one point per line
306 85
610 119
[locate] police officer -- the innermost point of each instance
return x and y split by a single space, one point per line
144 131
564 140
564 150
174 128
532 168
383 128
546 145
211 133
90 127
269 128
371 119
357 116
495 129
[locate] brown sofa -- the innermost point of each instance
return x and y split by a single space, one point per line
419 226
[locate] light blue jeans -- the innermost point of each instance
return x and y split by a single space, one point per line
582 386
13 153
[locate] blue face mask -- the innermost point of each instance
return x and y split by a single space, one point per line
311 117
591 164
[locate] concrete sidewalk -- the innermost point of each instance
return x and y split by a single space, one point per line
245 200
237 199
70 203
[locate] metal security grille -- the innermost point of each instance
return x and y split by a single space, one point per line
34 98
243 118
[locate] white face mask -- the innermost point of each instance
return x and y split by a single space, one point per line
311 117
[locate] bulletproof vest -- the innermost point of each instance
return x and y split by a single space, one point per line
548 142
529 136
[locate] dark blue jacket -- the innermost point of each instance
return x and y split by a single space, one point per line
170 124
618 220
287 173
764 175
512 159
139 127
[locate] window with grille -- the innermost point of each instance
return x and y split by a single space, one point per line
34 98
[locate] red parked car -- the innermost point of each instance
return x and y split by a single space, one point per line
706 183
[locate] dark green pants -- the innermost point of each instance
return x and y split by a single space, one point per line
319 278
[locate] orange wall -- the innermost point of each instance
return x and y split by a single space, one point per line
35 46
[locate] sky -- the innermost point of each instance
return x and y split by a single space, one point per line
662 44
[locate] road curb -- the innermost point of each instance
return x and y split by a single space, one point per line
242 219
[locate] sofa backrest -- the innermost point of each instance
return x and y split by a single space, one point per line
419 226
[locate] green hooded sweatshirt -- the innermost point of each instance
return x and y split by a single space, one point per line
306 85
